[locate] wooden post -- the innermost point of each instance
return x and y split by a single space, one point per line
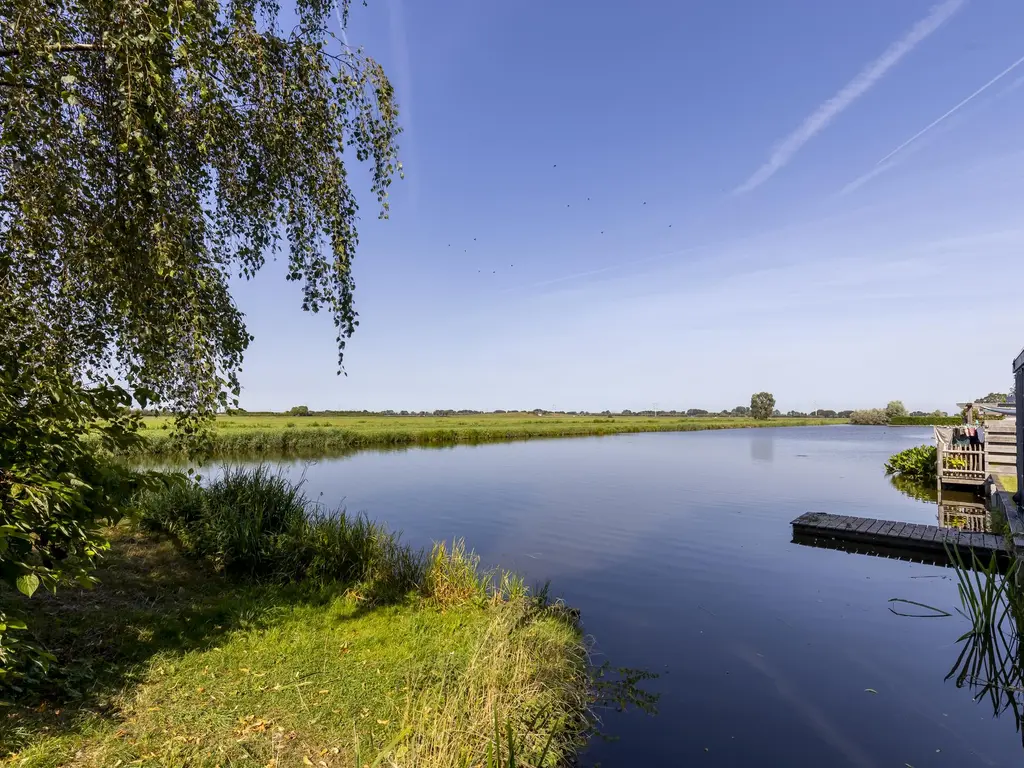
1018 376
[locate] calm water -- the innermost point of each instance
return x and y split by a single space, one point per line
677 549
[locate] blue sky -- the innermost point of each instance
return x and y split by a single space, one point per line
615 205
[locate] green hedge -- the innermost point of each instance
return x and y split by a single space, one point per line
924 421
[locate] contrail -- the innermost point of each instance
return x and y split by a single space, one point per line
883 164
853 90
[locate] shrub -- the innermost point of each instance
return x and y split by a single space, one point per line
871 416
917 463
255 524
57 487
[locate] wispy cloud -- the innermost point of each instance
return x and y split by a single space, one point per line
886 162
818 120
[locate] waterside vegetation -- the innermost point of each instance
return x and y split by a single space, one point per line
269 435
241 625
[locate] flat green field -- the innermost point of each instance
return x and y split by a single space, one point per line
260 435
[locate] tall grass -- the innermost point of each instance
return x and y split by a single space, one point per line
255 524
520 701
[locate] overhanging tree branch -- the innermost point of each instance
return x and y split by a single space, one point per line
57 48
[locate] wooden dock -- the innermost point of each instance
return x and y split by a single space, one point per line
897 536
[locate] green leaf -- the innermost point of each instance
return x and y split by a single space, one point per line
68 79
27 584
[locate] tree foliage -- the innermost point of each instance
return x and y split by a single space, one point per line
761 405
151 149
895 409
993 398
56 489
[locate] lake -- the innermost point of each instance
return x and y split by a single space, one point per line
677 549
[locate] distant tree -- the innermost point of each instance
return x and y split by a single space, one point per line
844 414
939 413
872 416
776 413
696 412
742 410
626 412
895 409
992 397
761 405
299 410
824 413
796 414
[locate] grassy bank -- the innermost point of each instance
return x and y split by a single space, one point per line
231 642
281 434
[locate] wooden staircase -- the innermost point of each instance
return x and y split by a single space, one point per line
1001 447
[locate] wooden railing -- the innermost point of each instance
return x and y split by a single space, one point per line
962 462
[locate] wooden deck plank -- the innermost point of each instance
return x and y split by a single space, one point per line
886 529
865 523
897 535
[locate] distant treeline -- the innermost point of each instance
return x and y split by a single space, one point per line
914 417
738 411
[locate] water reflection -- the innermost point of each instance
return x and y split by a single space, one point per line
963 510
915 490
762 446
991 660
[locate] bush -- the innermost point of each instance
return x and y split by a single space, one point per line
57 487
917 463
254 524
871 416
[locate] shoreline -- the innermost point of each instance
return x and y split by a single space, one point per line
258 437
307 640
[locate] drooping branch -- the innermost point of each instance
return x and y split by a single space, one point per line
57 48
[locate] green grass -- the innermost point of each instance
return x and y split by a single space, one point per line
168 663
282 434
1009 483
245 625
